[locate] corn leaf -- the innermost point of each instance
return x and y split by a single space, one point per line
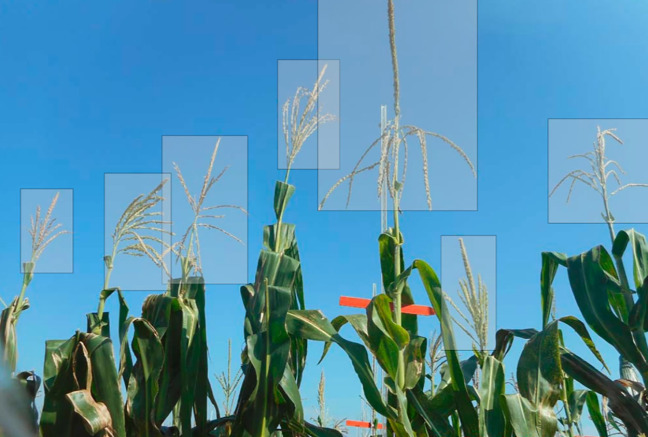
143 387
592 277
467 414
550 263
491 388
85 361
624 406
312 325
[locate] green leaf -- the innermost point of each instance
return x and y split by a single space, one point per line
143 387
539 372
639 252
283 193
415 363
99 327
260 411
85 361
8 338
387 245
467 413
317 431
387 339
312 325
528 420
277 269
359 324
595 413
95 415
401 425
624 406
434 420
550 263
592 277
638 318
576 401
491 388
288 241
581 330
125 358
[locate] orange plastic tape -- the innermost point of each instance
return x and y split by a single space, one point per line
359 424
358 302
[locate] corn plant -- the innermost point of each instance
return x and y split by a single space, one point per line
169 379
609 307
274 358
136 234
540 376
82 389
43 231
391 336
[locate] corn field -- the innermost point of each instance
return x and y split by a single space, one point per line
147 371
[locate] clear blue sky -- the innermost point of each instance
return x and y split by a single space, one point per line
89 88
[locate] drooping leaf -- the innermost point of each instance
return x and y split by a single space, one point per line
85 358
95 415
312 325
624 406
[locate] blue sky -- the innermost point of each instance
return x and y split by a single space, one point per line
90 88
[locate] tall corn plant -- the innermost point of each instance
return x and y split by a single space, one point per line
169 378
274 358
43 231
605 296
450 409
391 336
530 411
